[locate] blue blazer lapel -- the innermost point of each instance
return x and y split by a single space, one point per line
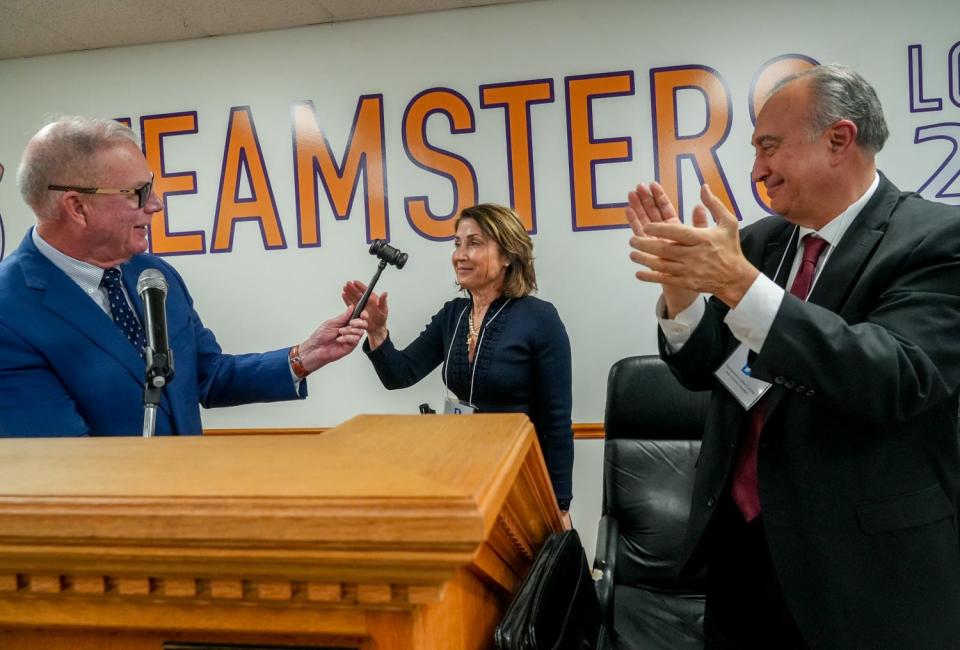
129 276
62 297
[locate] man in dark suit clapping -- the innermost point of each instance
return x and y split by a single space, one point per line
825 504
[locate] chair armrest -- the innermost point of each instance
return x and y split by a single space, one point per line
604 567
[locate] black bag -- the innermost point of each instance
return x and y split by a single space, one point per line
556 606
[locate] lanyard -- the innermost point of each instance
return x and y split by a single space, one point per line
794 235
476 353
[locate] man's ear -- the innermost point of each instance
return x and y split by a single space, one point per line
841 136
73 208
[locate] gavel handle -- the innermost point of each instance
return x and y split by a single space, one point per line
366 294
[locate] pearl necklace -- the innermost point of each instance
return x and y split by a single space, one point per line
473 334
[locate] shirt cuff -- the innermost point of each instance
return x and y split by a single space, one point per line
678 330
293 376
750 321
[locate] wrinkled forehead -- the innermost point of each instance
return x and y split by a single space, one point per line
121 163
784 112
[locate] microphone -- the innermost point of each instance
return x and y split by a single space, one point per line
152 289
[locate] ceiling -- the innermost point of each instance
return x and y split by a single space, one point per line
37 27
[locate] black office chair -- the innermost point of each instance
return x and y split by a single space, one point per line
653 428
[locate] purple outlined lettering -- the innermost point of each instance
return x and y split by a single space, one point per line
522 122
692 156
918 103
165 176
421 202
953 73
372 146
949 170
242 166
576 149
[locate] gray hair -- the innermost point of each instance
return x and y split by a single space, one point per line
61 153
842 94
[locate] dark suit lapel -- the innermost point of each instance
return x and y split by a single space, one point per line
778 255
774 260
845 265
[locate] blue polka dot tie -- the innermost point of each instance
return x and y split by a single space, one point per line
123 316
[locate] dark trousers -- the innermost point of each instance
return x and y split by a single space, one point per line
745 607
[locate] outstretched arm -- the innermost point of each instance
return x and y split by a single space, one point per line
335 338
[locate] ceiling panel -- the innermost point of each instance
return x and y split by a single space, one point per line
217 17
20 36
352 10
37 27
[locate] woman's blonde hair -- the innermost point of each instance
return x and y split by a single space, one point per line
502 225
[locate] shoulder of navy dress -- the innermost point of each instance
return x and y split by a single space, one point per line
538 307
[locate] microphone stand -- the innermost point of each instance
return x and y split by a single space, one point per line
150 402
158 370
366 294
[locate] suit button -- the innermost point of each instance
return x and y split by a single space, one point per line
711 502
801 389
811 393
789 384
778 379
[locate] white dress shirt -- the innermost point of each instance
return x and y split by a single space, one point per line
87 276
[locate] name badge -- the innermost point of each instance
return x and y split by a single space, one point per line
457 407
734 374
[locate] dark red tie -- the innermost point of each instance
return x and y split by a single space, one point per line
745 488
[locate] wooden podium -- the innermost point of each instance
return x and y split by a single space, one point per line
384 532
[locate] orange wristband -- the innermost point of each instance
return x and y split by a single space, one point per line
296 363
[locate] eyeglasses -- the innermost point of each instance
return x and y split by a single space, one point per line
143 192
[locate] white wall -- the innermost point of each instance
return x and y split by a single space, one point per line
256 299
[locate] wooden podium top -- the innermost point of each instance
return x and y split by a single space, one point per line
378 500
368 456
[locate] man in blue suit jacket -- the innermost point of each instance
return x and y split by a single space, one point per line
66 368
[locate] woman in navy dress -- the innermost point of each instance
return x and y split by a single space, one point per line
502 350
